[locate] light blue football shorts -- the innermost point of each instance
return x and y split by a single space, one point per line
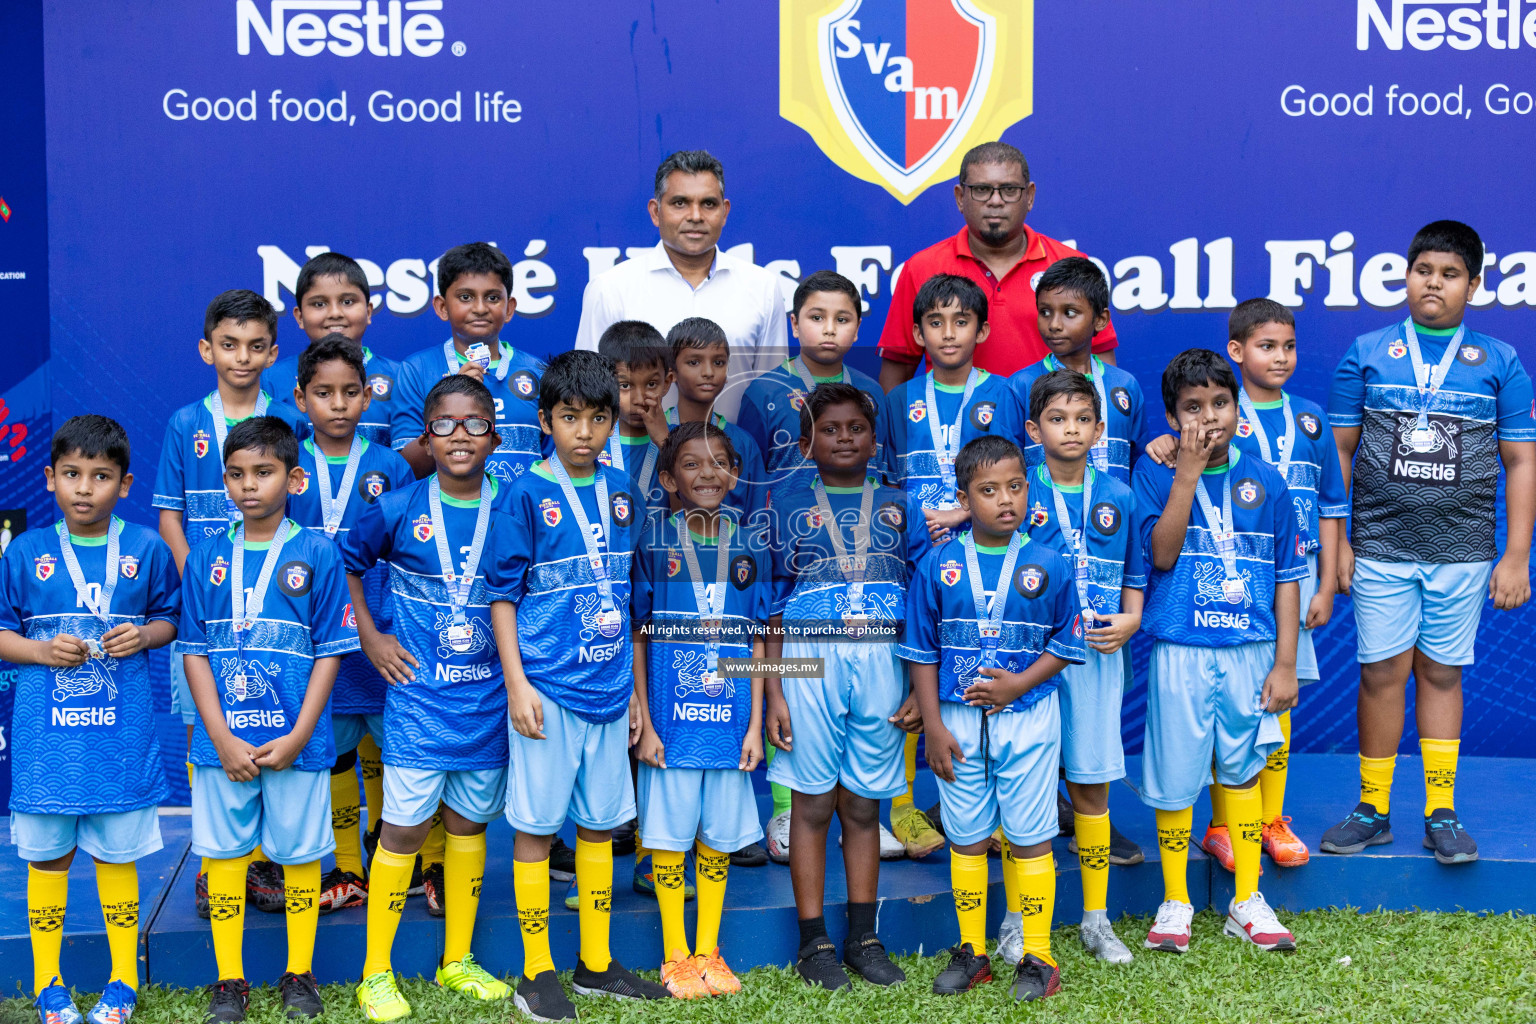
1434 606
1014 785
680 805
1090 696
840 724
287 813
1306 654
411 795
580 769
349 730
181 692
115 837
1203 702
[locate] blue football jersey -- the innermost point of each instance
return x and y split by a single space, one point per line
1123 411
307 616
634 452
810 590
1114 547
383 372
1435 504
906 427
770 415
1186 604
1313 476
191 475
83 738
513 380
702 721
541 566
454 715
750 495
1040 616
359 687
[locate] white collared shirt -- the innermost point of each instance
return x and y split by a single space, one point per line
742 298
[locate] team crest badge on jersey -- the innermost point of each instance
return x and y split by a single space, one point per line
1248 493
982 413
813 518
421 529
294 579
1310 425
1030 580
796 399
127 567
43 567
604 458
743 571
892 515
1106 517
674 564
1397 350
551 514
200 443
381 385
373 486
1472 355
217 571
949 572
1038 516
1121 398
1244 428
524 384
304 485
917 411
623 508
893 93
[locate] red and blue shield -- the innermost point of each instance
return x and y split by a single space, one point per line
552 515
1038 516
949 572
295 577
917 411
128 566
200 444
43 567
894 91
1244 428
217 571
674 564
375 485
422 528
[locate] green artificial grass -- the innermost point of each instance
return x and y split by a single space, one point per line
1401 967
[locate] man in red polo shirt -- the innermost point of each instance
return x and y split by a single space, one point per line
997 251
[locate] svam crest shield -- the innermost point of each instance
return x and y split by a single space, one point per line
895 91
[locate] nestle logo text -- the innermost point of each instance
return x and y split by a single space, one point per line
307 28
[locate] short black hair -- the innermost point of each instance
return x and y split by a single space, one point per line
91 437
942 289
330 264
696 332
242 306
827 281
583 379
333 347
459 384
834 392
694 430
1450 236
993 153
1057 383
636 344
1251 314
689 161
269 435
473 258
1076 275
981 453
1195 368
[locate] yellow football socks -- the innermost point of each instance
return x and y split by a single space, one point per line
226 909
301 894
1093 857
117 886
1439 774
1272 778
909 758
1246 826
1376 782
345 796
435 846
968 879
256 855
1037 895
387 888
530 884
668 865
1173 846
372 761
594 880
713 867
1218 803
1010 879
47 894
463 874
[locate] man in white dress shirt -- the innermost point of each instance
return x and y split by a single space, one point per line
687 274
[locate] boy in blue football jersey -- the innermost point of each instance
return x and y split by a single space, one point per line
559 583
1219 530
331 297
1423 413
992 619
80 603
333 392
839 593
1073 300
445 734
474 284
642 364
701 357
1086 514
701 593
264 625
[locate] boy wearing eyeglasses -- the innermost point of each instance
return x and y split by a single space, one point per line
445 724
